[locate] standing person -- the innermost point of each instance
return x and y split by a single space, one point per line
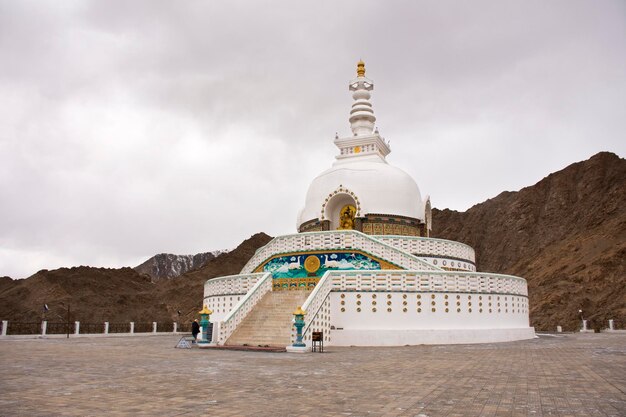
195 329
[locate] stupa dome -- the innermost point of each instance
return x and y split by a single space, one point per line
361 190
375 187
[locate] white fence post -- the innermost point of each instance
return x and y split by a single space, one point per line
77 328
106 327
5 324
132 327
216 331
44 327
611 325
154 325
559 329
175 328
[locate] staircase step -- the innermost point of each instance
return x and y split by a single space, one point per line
270 321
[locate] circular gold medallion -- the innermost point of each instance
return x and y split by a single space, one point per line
312 263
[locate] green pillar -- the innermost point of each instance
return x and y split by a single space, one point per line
205 314
299 323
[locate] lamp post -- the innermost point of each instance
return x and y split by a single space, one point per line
298 320
67 324
582 320
205 314
299 323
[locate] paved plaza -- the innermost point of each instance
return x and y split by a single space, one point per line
558 375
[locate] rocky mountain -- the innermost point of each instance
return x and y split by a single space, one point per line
116 295
168 266
93 294
187 292
566 235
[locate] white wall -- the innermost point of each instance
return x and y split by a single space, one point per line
427 337
221 305
463 311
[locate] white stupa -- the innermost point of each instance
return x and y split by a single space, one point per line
374 187
363 265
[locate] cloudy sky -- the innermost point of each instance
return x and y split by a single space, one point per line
134 128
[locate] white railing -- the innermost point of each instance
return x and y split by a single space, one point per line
428 281
243 307
232 284
312 306
336 240
430 246
448 264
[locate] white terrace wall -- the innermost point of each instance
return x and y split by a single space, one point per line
377 308
222 294
441 253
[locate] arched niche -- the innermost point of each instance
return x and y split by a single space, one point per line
333 209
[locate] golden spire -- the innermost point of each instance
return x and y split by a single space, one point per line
360 68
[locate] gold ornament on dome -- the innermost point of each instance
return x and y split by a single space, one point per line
312 264
346 217
360 69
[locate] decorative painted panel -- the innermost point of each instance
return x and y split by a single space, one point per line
315 265
339 240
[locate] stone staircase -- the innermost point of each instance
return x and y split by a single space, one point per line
270 322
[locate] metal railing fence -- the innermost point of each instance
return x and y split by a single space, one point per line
118 327
59 328
144 327
24 328
91 328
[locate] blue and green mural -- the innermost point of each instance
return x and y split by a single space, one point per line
315 265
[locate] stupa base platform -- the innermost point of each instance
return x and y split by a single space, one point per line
248 348
369 337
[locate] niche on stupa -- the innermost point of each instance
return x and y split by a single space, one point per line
341 211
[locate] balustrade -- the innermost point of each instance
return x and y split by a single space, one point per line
232 284
431 246
336 240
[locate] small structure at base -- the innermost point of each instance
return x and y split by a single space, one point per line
206 328
298 321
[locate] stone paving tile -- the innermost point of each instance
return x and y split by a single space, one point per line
564 375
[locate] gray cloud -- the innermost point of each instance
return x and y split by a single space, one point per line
131 128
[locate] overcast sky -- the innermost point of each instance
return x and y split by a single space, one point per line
133 128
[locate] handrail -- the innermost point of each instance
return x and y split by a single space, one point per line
317 296
243 307
315 302
306 242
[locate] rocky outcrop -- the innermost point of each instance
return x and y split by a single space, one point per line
168 266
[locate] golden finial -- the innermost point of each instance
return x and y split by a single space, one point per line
360 68
299 311
205 310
